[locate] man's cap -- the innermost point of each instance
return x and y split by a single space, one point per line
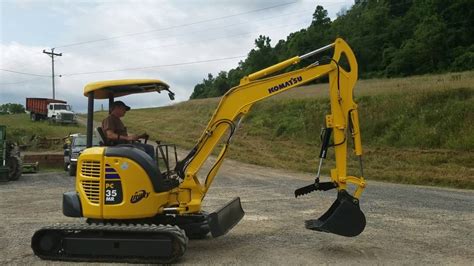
122 104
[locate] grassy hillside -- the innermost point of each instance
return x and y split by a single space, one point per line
415 130
24 131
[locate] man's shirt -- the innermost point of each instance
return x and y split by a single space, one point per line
115 124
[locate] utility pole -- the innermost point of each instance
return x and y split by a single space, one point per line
52 54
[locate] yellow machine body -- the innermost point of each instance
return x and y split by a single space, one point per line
116 188
95 182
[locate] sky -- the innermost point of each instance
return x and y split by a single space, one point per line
178 42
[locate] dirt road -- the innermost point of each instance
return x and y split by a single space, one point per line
405 224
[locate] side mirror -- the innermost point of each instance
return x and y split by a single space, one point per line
170 93
65 146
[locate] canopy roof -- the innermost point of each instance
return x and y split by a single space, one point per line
118 88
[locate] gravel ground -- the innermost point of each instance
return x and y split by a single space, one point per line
405 224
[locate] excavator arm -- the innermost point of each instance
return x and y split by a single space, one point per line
342 122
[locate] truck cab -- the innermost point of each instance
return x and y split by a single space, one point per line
61 113
51 109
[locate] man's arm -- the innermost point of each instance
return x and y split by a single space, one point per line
111 135
110 126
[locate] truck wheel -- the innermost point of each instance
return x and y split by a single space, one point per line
72 170
33 117
15 166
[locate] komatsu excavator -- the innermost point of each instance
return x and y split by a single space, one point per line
136 212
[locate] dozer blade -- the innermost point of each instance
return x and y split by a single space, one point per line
221 221
343 218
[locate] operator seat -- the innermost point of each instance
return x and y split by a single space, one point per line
160 184
104 141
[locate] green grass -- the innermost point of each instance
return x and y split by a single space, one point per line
438 119
416 130
26 132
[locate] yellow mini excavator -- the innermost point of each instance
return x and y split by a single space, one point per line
136 212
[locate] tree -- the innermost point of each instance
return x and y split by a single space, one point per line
261 57
204 89
11 108
320 17
221 84
423 53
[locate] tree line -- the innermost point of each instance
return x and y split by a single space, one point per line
391 38
11 108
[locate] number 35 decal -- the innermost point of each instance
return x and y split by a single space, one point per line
113 192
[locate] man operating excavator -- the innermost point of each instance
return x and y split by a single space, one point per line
116 132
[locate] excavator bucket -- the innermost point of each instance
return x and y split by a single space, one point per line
343 218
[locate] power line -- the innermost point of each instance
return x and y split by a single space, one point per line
211 39
175 26
157 66
127 50
175 64
23 73
206 30
19 82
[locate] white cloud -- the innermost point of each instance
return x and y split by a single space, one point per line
169 37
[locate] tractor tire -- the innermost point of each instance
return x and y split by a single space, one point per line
15 166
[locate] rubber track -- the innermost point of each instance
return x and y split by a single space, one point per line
179 238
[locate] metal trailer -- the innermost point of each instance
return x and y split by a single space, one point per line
11 165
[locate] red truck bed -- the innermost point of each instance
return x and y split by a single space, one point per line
39 105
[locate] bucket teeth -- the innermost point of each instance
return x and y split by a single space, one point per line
305 190
313 187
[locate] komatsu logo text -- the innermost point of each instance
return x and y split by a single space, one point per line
291 82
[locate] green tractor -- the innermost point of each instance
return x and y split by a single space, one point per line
11 166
